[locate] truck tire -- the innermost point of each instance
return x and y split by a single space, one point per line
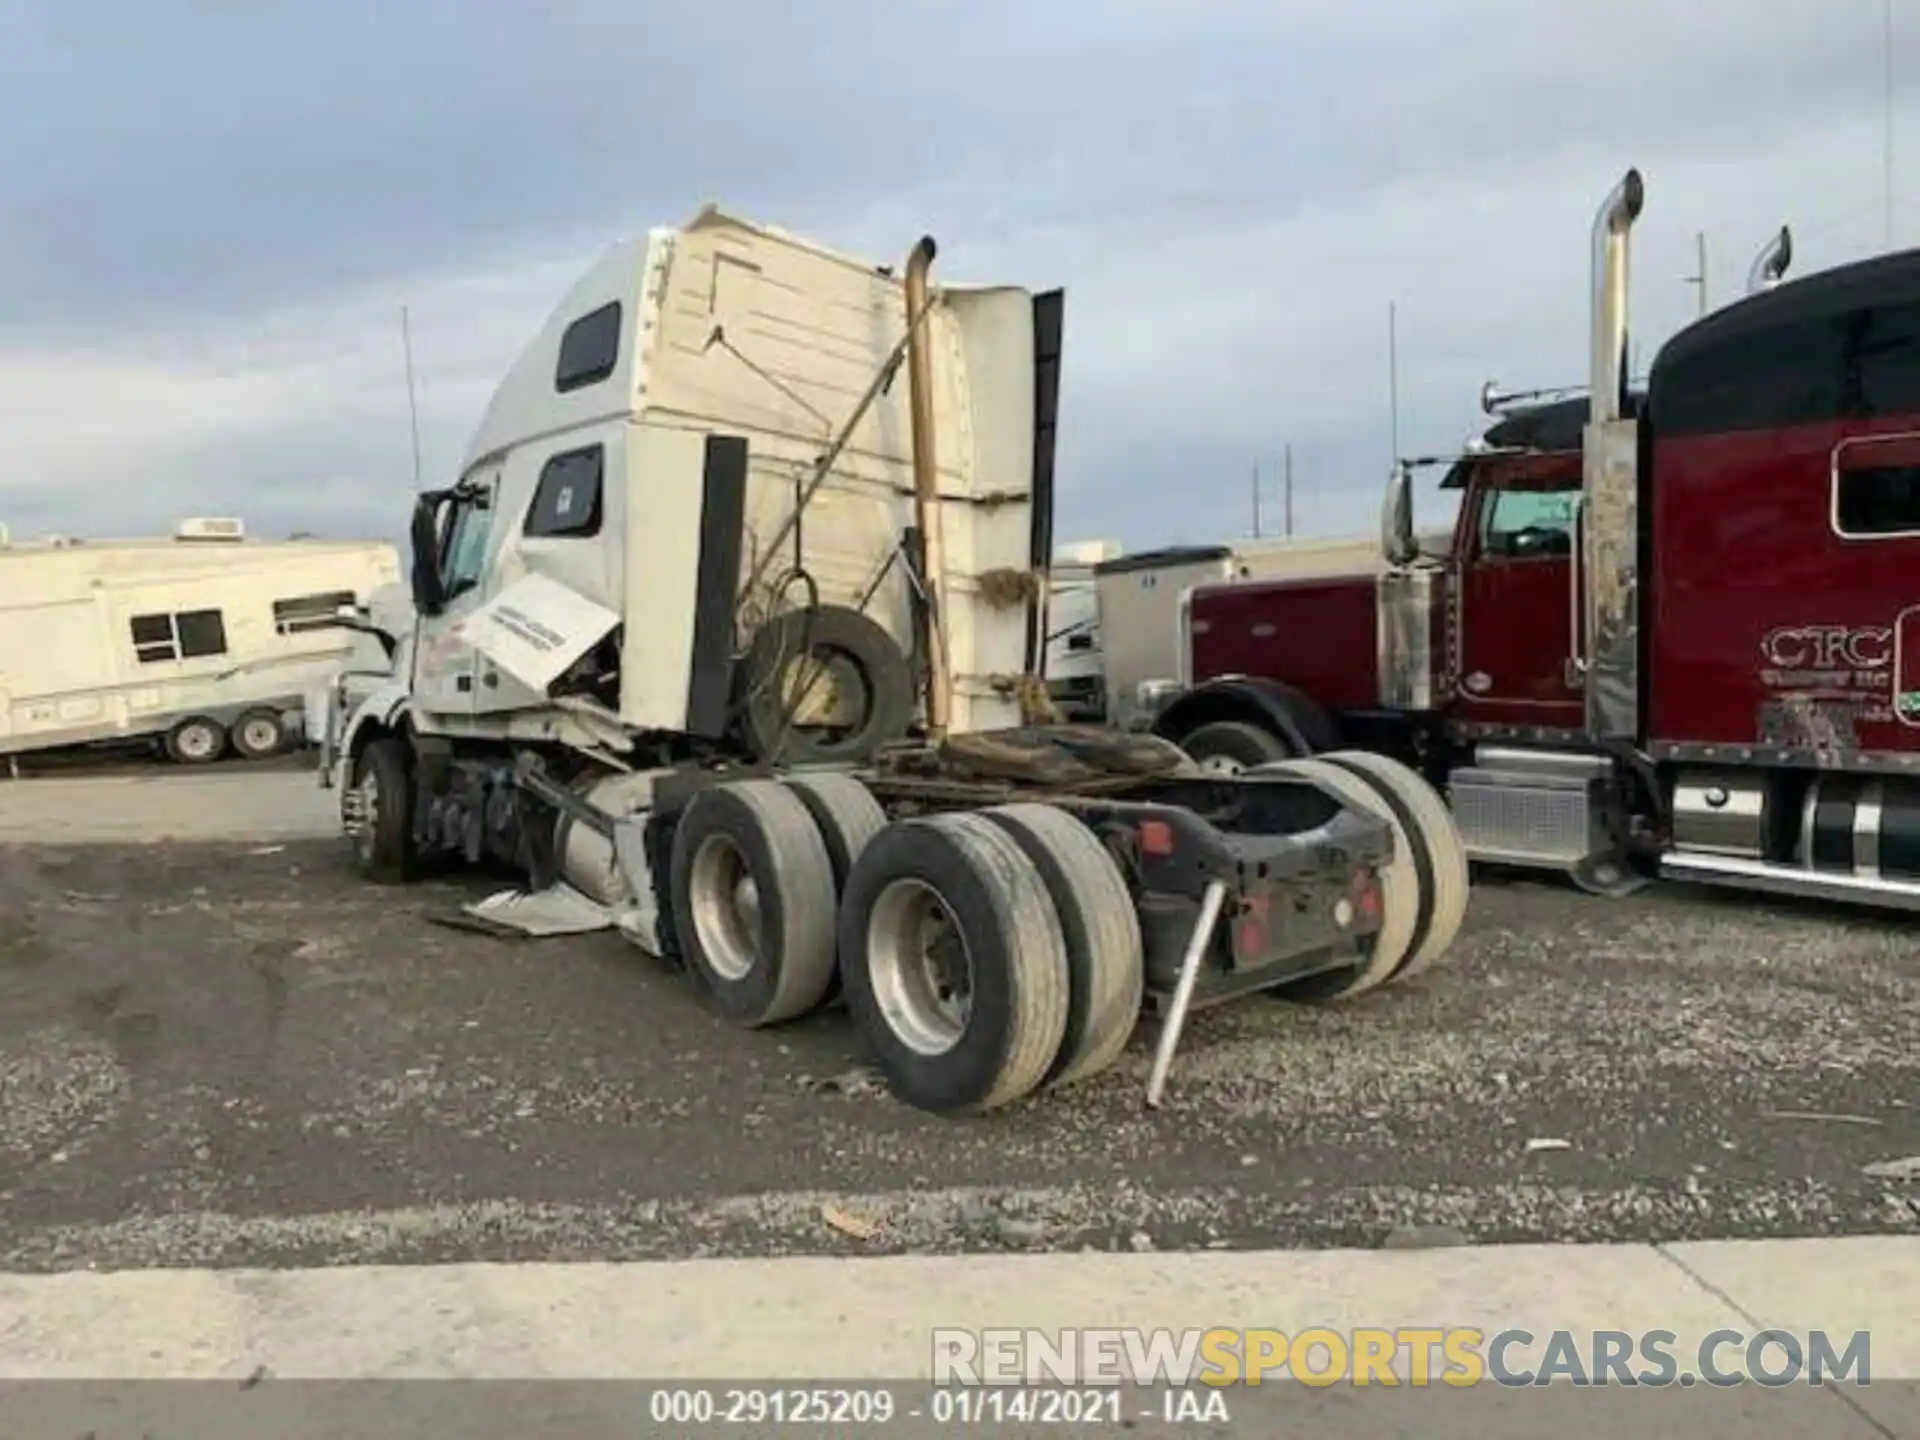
848 818
955 964
259 734
1426 816
847 815
196 740
1229 747
753 901
1106 963
851 639
383 842
1406 898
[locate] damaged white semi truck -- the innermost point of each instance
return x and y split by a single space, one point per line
726 639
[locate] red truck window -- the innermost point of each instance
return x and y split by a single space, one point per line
1516 524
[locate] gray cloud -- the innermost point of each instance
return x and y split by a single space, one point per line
209 213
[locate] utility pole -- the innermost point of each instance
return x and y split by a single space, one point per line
1700 278
1256 501
1289 491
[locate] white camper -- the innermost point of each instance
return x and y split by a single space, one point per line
201 640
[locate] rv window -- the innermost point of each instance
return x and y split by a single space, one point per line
467 535
309 612
1881 501
153 638
202 632
589 349
567 500
1528 522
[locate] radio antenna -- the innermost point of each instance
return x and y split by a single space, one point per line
413 406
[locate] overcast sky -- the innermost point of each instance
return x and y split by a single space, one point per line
210 214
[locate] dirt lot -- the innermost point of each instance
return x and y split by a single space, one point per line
226 1053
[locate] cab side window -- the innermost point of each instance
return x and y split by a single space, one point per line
1521 524
566 502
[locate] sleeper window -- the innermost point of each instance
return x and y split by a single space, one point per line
589 349
1881 500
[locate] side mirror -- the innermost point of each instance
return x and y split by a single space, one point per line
429 596
1397 543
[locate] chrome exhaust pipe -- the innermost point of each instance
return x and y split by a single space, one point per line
926 487
1771 263
1609 358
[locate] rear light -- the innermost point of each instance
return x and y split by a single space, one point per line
1156 838
1365 898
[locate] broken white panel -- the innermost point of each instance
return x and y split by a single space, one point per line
535 628
557 910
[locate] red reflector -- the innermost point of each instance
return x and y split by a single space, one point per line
1366 896
1156 837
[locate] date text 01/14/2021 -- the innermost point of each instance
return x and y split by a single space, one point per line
944 1405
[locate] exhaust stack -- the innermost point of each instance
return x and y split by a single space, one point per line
1609 359
1771 263
926 486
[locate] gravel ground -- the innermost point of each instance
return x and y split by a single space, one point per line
237 1054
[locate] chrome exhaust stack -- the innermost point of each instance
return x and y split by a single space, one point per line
1771 263
1609 358
1604 583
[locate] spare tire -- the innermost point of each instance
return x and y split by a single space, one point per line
857 653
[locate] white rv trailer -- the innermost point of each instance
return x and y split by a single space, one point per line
200 641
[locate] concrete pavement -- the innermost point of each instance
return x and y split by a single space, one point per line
849 1320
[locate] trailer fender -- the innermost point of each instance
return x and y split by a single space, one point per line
1287 712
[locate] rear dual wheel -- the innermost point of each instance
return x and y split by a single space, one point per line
1423 884
990 954
753 893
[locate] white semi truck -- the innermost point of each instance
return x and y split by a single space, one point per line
726 639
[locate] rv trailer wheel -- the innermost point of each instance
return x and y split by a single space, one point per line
1106 963
196 741
259 734
1406 889
382 833
955 964
753 901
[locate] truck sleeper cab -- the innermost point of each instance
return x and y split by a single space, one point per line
1675 633
675 529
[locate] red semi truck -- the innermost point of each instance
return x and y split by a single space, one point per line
1675 632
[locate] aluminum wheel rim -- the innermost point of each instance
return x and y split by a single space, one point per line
726 908
1221 765
921 971
195 741
259 734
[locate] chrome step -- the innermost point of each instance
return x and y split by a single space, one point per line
1770 876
